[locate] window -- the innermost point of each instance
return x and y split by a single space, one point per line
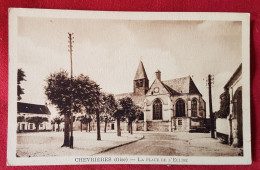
112 126
194 108
157 109
141 117
180 108
31 126
139 83
179 122
41 125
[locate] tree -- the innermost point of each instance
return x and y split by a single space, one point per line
83 120
134 113
118 115
130 111
37 120
71 96
58 120
20 77
109 107
53 125
224 105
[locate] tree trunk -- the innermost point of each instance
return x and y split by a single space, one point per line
131 128
88 126
37 127
66 131
81 126
58 127
98 126
105 130
53 127
118 127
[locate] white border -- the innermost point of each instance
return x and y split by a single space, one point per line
14 13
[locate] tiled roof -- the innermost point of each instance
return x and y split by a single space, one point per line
181 85
32 108
140 73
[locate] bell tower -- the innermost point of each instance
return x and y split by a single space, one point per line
141 82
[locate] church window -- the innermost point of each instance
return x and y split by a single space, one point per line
194 108
140 83
157 109
137 84
180 108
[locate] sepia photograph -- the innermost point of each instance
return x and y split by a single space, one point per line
95 87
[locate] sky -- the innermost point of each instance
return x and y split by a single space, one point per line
109 51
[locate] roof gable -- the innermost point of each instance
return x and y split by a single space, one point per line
140 72
32 108
162 89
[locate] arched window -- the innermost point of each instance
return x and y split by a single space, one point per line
157 109
180 108
194 108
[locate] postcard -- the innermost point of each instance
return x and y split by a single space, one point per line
96 87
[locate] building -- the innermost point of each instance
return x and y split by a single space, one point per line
172 105
231 127
26 111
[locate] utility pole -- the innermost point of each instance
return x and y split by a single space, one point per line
71 77
210 108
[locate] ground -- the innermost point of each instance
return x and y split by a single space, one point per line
140 143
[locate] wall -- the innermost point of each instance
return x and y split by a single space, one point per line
223 126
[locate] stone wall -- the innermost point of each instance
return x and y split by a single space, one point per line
181 124
162 126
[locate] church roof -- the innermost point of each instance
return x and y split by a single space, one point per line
181 85
32 108
140 73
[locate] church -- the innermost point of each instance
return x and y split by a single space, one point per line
171 105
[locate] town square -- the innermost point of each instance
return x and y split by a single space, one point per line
93 87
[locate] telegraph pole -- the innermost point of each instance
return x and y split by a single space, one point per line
71 77
210 108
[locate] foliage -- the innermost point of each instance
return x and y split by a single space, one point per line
20 118
129 109
72 95
20 77
58 119
77 94
109 106
224 105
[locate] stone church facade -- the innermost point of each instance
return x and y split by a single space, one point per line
172 105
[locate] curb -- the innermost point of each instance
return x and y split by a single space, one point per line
108 149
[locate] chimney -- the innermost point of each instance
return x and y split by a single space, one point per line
158 75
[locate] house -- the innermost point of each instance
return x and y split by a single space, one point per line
171 105
25 112
231 127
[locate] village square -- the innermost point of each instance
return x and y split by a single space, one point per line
117 91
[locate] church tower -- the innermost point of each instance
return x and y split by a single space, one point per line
141 82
